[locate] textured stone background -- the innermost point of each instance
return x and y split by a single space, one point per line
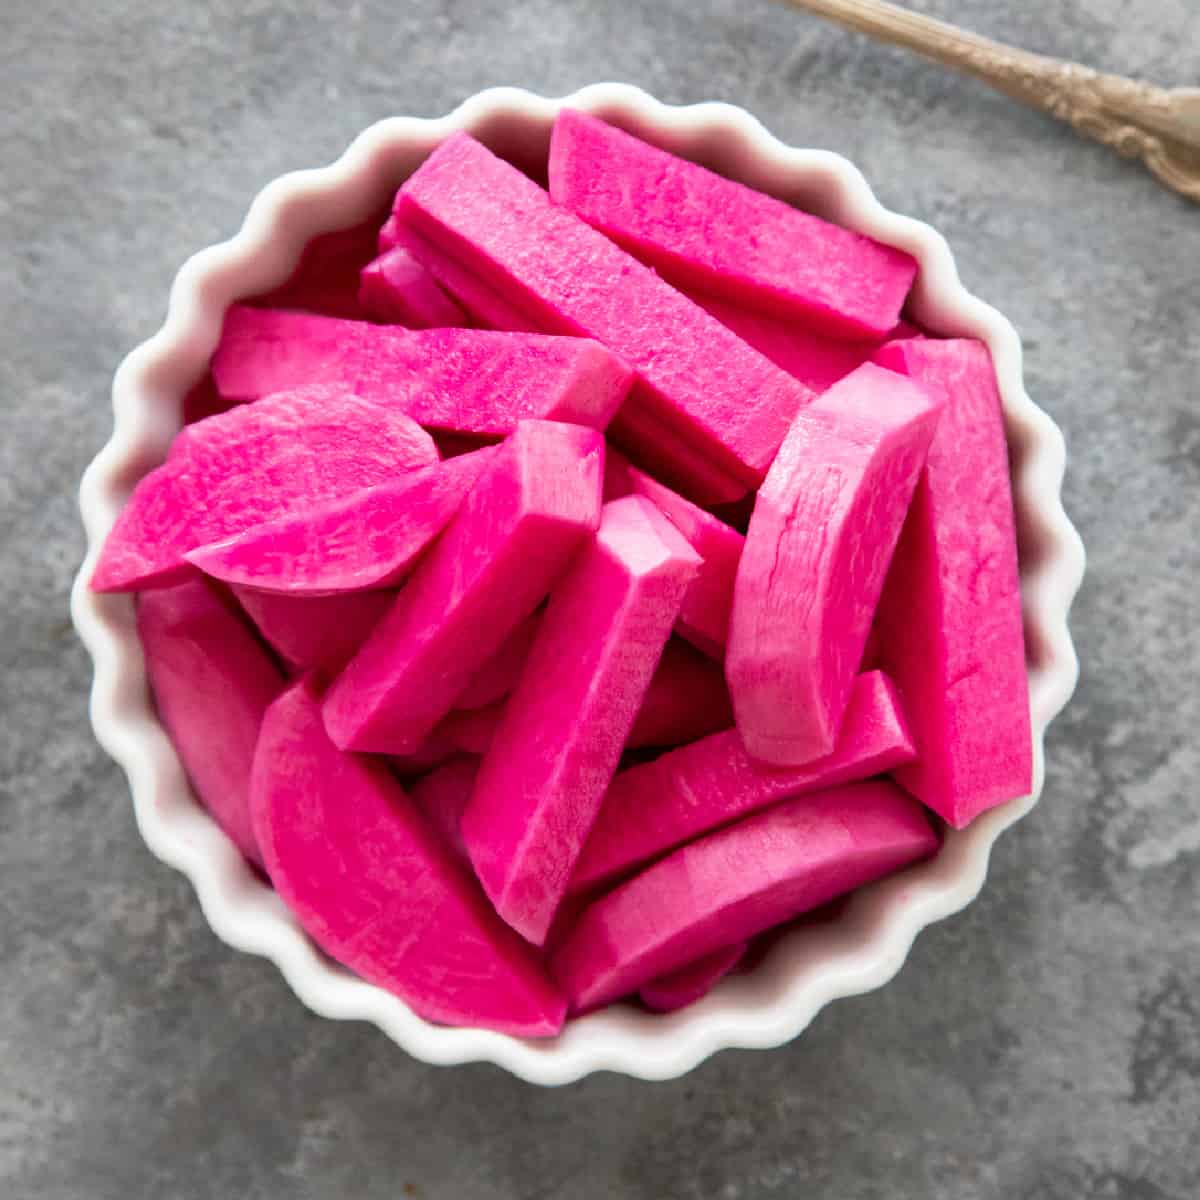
1044 1045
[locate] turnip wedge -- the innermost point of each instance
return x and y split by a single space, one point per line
369 539
824 526
212 681
455 380
233 471
703 230
949 621
563 729
377 889
737 882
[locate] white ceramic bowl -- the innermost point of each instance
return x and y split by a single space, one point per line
809 967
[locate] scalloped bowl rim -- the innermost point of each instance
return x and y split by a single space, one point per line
809 966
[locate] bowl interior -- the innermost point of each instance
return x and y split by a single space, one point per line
814 961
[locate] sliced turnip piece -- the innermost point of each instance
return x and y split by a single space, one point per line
704 617
687 699
949 622
442 797
495 563
703 230
368 539
396 287
653 808
315 632
459 380
239 468
691 982
560 738
212 681
696 378
486 306
498 676
824 526
375 887
735 883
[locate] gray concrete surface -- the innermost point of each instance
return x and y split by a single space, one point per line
1043 1045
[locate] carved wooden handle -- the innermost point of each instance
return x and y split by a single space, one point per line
1160 126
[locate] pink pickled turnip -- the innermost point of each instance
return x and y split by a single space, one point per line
562 731
725 400
657 806
824 526
528 512
737 882
442 796
704 617
368 539
703 230
375 887
687 699
486 306
949 622
691 982
459 380
314 632
239 468
212 682
396 287
498 676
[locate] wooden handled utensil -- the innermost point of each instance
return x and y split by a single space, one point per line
1160 126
